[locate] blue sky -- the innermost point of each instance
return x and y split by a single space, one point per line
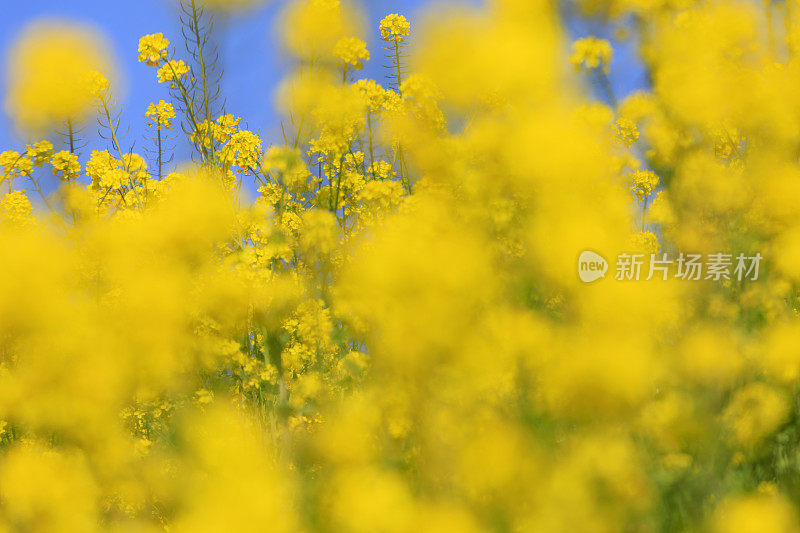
250 55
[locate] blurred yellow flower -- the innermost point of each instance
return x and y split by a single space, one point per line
351 51
47 72
591 53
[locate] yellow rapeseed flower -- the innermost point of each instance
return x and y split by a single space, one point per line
172 72
394 28
48 71
591 53
161 114
153 49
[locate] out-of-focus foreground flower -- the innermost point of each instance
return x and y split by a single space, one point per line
49 75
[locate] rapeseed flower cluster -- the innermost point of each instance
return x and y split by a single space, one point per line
591 53
161 114
394 28
351 51
389 333
50 75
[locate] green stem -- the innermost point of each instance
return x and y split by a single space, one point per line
13 167
119 148
397 66
770 28
203 73
371 152
644 211
404 179
189 109
46 202
158 134
605 84
788 26
338 184
71 137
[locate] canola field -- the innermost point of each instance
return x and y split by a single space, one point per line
481 293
